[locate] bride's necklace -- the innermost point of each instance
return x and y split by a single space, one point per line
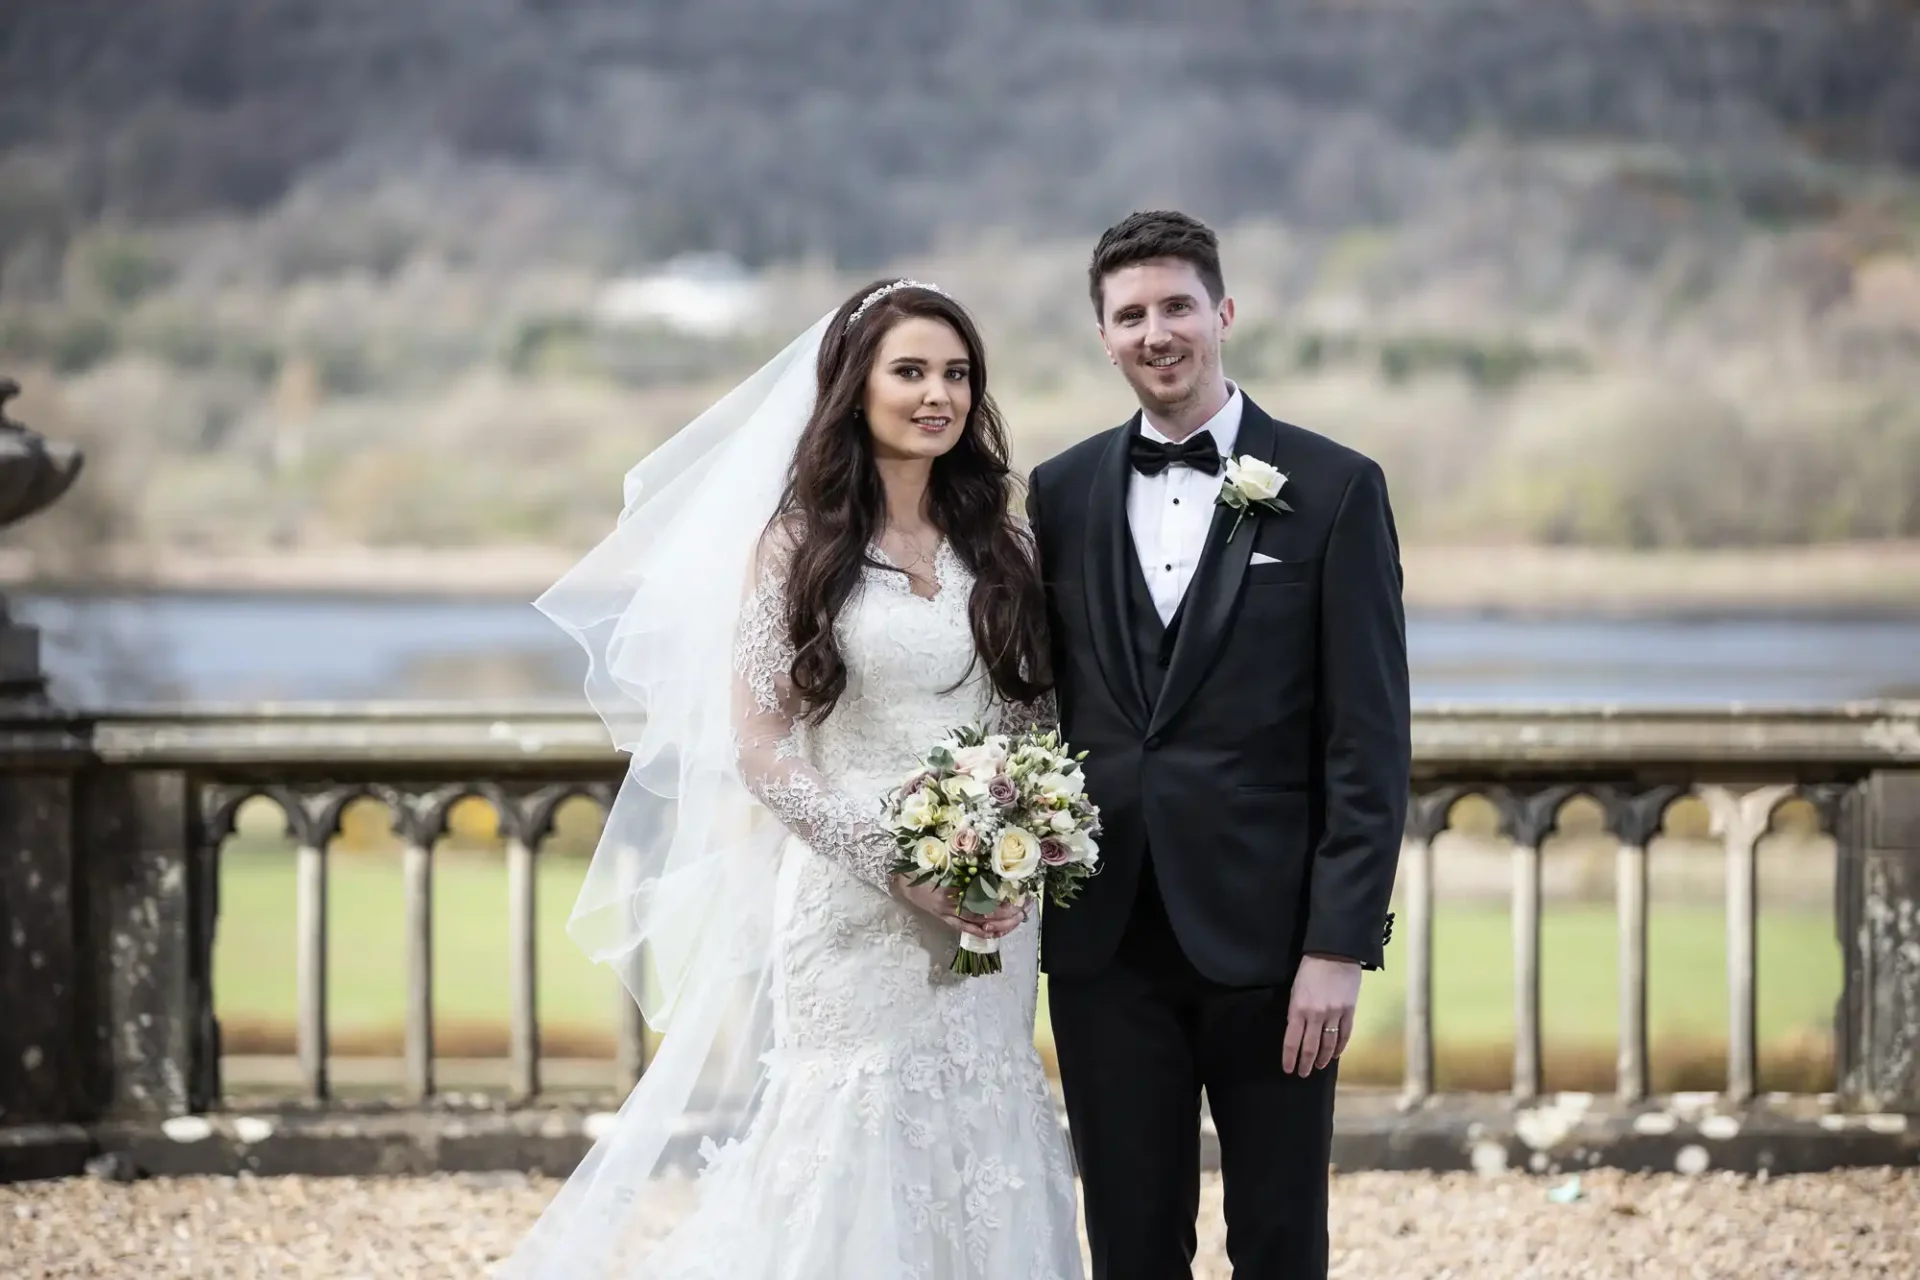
923 556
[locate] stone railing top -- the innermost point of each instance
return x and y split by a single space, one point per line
1725 738
524 735
1447 738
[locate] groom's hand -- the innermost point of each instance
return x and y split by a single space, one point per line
1320 1014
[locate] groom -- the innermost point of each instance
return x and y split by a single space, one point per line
1240 682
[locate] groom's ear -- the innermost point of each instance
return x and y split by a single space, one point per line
1100 332
1226 316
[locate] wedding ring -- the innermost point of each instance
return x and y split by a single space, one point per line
1329 1031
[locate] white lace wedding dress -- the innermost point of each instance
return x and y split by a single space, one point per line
908 1129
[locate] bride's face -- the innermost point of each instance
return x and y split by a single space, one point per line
919 392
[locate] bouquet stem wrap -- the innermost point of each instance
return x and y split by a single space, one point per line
977 956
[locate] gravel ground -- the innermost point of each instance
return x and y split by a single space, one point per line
1856 1223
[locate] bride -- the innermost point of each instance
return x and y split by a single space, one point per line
810 585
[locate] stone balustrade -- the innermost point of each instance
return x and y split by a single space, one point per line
111 827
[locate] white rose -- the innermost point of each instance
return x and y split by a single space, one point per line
930 854
1258 480
1063 822
920 810
1016 855
963 788
982 761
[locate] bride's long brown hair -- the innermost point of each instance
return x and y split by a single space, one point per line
834 505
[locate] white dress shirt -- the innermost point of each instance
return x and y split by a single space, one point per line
1171 513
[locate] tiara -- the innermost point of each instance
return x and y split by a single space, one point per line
886 289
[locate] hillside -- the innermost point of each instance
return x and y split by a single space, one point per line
325 272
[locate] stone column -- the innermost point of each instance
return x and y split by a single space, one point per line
40 1014
147 941
1879 920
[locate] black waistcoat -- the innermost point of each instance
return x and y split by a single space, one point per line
1150 639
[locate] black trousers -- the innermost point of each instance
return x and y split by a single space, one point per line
1137 1043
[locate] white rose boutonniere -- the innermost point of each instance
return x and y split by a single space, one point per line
1251 484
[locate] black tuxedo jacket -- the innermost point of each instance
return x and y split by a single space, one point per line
1269 780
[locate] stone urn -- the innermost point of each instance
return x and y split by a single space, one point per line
34 473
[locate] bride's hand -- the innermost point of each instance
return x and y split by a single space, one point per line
943 906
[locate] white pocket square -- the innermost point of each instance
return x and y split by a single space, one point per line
1261 557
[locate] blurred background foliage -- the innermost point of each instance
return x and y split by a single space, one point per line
345 273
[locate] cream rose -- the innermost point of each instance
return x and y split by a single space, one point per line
1256 479
930 854
1063 822
1016 854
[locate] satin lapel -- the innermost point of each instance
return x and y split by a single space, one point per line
1109 553
1216 583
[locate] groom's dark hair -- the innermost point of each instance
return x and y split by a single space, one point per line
1157 233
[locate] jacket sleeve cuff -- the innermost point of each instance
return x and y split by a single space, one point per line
1367 949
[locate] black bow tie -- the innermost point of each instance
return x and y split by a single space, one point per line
1151 457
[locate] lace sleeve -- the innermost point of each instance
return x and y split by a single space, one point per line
1042 713
767 739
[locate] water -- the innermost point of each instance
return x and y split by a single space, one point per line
121 649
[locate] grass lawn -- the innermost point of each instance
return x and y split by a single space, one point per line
254 962
254 970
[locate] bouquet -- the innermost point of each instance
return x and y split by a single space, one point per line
995 819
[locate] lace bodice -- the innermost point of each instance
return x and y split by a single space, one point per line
905 655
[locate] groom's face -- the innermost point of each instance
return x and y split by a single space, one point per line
1163 331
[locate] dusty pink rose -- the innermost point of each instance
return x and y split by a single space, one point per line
914 784
966 840
1054 852
1001 791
